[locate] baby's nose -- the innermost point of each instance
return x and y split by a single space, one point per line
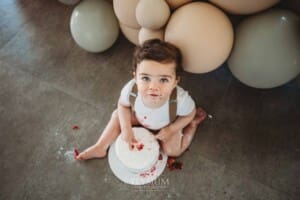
154 85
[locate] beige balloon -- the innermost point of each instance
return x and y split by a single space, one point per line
177 3
204 35
131 34
125 12
152 14
244 6
147 34
266 53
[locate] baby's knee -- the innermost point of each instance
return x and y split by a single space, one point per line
171 151
114 115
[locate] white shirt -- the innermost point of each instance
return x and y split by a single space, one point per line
157 118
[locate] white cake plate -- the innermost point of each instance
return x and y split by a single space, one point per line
132 178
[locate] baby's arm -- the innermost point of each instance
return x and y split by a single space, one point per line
124 113
181 122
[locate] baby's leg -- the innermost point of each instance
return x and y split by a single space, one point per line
179 142
190 130
108 136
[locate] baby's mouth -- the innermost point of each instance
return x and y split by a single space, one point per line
154 95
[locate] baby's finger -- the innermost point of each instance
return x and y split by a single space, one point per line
130 146
134 140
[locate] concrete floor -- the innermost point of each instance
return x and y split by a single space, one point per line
250 149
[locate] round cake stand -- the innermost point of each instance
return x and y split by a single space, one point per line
122 173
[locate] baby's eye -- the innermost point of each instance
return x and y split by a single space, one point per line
145 78
164 80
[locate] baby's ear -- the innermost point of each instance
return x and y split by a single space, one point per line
133 74
178 79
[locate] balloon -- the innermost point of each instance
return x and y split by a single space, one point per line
266 53
147 34
152 14
177 3
204 35
125 11
244 6
131 34
94 26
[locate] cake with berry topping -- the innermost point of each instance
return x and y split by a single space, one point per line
144 153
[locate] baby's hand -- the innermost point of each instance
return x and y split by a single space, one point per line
129 138
164 134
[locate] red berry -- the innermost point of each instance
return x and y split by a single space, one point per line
140 146
76 153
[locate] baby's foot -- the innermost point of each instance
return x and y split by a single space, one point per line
92 152
199 117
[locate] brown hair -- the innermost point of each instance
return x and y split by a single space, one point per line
160 51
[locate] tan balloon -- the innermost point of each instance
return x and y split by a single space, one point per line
266 52
244 6
147 34
177 3
131 34
125 12
204 35
152 14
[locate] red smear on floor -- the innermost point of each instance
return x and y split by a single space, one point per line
75 127
76 153
172 164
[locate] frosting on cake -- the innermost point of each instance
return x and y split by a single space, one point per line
144 154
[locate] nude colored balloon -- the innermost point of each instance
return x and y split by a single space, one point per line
125 12
147 34
177 3
131 34
94 25
204 35
244 6
152 14
266 53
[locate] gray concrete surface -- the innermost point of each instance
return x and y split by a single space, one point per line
249 149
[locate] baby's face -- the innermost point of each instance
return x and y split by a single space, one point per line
155 82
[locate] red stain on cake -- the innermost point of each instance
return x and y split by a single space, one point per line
160 157
144 175
140 146
148 173
152 169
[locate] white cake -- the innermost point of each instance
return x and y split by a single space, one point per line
144 154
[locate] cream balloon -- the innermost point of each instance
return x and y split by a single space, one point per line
125 12
174 4
131 34
94 25
266 53
147 34
204 35
244 6
152 14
